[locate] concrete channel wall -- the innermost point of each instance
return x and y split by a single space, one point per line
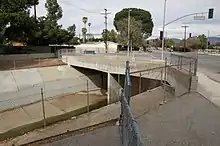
181 81
114 90
21 87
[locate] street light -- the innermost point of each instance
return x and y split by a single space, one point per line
164 19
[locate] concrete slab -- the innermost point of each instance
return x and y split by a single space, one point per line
13 119
27 77
209 88
7 83
70 102
35 111
108 136
188 120
58 73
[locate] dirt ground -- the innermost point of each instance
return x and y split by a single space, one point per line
32 63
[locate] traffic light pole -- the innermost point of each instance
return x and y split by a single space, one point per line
164 19
188 16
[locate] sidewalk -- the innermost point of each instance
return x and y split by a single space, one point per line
209 88
27 118
190 120
141 104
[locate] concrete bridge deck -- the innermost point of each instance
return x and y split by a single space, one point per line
111 64
180 80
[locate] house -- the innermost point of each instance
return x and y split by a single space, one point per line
97 47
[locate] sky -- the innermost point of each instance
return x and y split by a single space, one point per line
74 10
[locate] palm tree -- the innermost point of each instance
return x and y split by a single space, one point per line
89 24
84 30
85 20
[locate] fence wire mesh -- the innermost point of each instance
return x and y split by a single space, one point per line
130 134
14 64
187 62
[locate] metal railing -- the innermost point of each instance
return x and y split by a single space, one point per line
130 134
188 62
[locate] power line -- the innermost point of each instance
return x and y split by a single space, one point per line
82 9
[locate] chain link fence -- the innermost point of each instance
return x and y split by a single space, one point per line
15 64
130 134
187 62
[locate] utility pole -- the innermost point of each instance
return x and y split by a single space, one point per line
106 29
129 23
35 11
208 40
185 27
164 19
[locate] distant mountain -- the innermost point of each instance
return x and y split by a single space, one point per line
176 40
214 40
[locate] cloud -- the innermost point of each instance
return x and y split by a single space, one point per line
74 10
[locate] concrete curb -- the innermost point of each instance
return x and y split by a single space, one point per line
213 79
50 120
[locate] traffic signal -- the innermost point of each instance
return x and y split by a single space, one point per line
190 35
161 35
211 13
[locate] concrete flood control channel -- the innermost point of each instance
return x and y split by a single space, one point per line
22 118
22 87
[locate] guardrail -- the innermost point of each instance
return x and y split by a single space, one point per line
130 134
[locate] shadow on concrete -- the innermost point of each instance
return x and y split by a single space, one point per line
101 83
138 85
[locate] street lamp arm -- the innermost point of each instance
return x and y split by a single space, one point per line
184 17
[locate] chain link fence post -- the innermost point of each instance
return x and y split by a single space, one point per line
190 75
164 82
140 83
43 107
87 91
14 64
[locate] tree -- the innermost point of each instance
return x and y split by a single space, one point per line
193 43
16 13
139 15
72 30
169 43
112 35
54 11
203 41
136 33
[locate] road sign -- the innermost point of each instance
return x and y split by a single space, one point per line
199 17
